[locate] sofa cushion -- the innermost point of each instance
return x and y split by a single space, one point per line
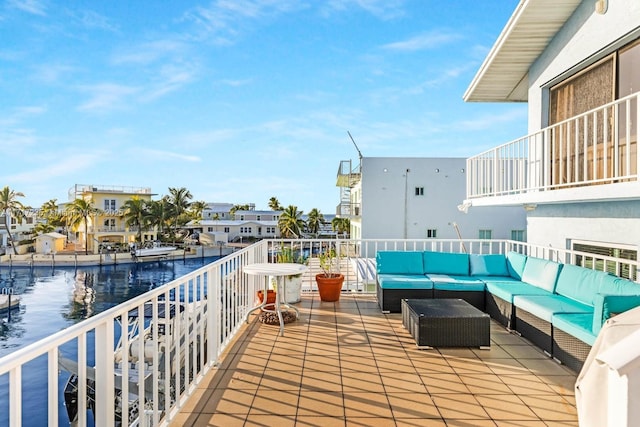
515 264
445 282
578 283
541 273
396 262
446 263
606 306
614 285
404 281
507 290
576 324
544 306
488 265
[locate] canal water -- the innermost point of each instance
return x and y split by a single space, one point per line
52 299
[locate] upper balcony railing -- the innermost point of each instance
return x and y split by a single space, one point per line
167 339
597 147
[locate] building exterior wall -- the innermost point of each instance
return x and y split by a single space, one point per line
391 209
580 41
614 223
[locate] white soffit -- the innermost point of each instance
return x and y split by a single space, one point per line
503 74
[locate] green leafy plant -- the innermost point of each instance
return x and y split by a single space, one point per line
288 255
329 263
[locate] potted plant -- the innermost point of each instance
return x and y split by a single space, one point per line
293 284
330 280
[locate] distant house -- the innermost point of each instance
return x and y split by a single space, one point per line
109 226
50 243
577 65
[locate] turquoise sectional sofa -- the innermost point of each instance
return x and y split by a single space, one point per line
559 307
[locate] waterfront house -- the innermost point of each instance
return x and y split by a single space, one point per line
421 196
577 65
108 226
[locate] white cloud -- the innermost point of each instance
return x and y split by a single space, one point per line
432 40
169 155
106 97
150 52
58 166
34 7
171 78
382 9
91 19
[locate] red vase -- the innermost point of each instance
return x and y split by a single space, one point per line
271 296
329 288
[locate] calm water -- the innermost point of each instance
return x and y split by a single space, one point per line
53 299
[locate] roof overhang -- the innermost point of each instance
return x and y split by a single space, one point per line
503 74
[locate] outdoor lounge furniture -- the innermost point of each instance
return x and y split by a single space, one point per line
446 323
558 307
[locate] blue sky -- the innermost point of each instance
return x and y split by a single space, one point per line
239 100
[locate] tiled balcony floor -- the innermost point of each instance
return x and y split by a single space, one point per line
347 364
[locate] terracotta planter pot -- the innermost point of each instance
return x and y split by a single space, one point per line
271 296
329 287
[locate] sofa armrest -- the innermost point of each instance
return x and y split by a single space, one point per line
606 306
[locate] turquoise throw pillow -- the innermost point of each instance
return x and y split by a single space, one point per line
488 265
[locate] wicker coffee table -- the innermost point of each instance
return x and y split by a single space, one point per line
446 323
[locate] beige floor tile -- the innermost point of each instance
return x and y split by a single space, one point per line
320 421
561 384
367 405
227 401
413 405
400 382
469 422
526 384
370 422
444 383
417 422
524 352
198 400
216 420
353 381
506 367
520 423
459 406
275 402
321 381
282 380
484 384
359 365
396 364
544 366
259 420
506 407
321 403
551 408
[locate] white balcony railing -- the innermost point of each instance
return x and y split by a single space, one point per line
166 356
596 147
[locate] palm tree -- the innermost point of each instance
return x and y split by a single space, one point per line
290 222
43 228
235 208
135 214
314 220
179 198
196 209
341 225
10 206
157 213
78 212
274 204
51 213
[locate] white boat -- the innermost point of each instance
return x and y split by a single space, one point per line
156 249
9 302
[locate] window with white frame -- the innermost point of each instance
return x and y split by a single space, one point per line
431 233
517 235
484 234
419 191
109 205
604 250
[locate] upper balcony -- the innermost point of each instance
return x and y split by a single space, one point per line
589 157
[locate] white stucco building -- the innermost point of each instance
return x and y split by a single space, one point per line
417 198
577 65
